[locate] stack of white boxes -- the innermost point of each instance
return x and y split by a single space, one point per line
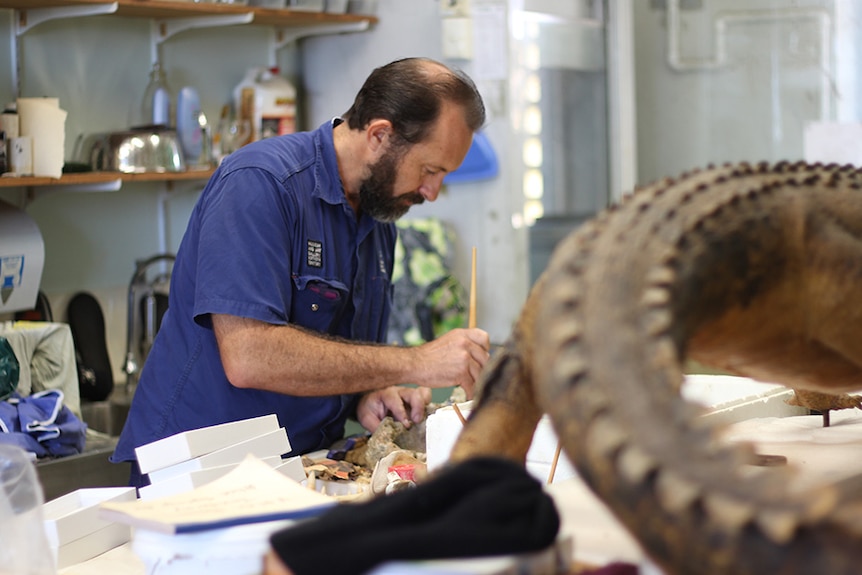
73 529
193 458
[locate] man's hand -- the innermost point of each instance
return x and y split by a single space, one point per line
454 359
395 401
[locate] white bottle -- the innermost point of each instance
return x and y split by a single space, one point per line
268 100
189 125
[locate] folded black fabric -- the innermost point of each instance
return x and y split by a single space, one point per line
480 507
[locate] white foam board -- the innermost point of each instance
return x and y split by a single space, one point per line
443 427
292 467
197 442
188 481
235 550
91 545
75 515
273 443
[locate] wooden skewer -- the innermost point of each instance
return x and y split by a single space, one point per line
459 414
554 463
471 322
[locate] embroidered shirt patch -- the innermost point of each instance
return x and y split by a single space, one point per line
314 254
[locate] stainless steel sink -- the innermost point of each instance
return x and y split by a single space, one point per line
107 416
62 475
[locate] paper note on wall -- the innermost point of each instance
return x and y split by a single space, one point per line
833 142
45 122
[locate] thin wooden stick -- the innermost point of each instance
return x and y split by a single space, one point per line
554 463
459 414
471 322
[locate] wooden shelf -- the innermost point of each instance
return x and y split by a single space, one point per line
158 9
173 16
89 178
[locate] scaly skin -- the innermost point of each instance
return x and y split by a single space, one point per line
756 270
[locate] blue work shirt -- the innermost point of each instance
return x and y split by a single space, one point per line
272 238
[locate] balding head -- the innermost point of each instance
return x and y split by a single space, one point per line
410 93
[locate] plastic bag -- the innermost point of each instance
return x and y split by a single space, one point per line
23 543
10 369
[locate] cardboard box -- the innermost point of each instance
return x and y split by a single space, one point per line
196 442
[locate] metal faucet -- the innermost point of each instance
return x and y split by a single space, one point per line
131 367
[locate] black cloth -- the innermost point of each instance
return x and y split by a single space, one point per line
480 507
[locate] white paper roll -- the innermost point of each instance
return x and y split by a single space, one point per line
44 121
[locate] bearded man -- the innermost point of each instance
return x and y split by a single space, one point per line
281 289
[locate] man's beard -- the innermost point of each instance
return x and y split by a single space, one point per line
377 193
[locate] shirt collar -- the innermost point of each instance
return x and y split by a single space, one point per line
329 179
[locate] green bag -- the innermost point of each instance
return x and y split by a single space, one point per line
9 369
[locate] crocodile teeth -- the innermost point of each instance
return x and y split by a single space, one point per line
729 512
778 524
655 297
634 464
675 492
570 366
657 322
605 436
564 292
661 276
565 331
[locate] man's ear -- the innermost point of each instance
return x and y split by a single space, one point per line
377 133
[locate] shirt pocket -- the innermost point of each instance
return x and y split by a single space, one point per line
317 303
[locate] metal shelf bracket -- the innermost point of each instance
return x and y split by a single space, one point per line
164 29
110 186
286 35
30 18
289 34
26 20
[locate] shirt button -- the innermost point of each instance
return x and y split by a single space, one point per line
314 307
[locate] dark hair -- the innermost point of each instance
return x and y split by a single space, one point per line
410 93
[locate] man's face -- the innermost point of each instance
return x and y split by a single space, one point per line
404 176
377 192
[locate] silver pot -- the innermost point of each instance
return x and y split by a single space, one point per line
135 151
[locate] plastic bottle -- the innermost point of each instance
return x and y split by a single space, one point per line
189 125
268 100
156 105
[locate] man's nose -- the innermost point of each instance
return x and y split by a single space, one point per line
430 187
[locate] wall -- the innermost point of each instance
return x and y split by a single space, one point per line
98 67
781 68
479 212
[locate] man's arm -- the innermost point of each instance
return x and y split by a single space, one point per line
287 359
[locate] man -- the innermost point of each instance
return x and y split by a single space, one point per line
280 292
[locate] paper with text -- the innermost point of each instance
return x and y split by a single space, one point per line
253 492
